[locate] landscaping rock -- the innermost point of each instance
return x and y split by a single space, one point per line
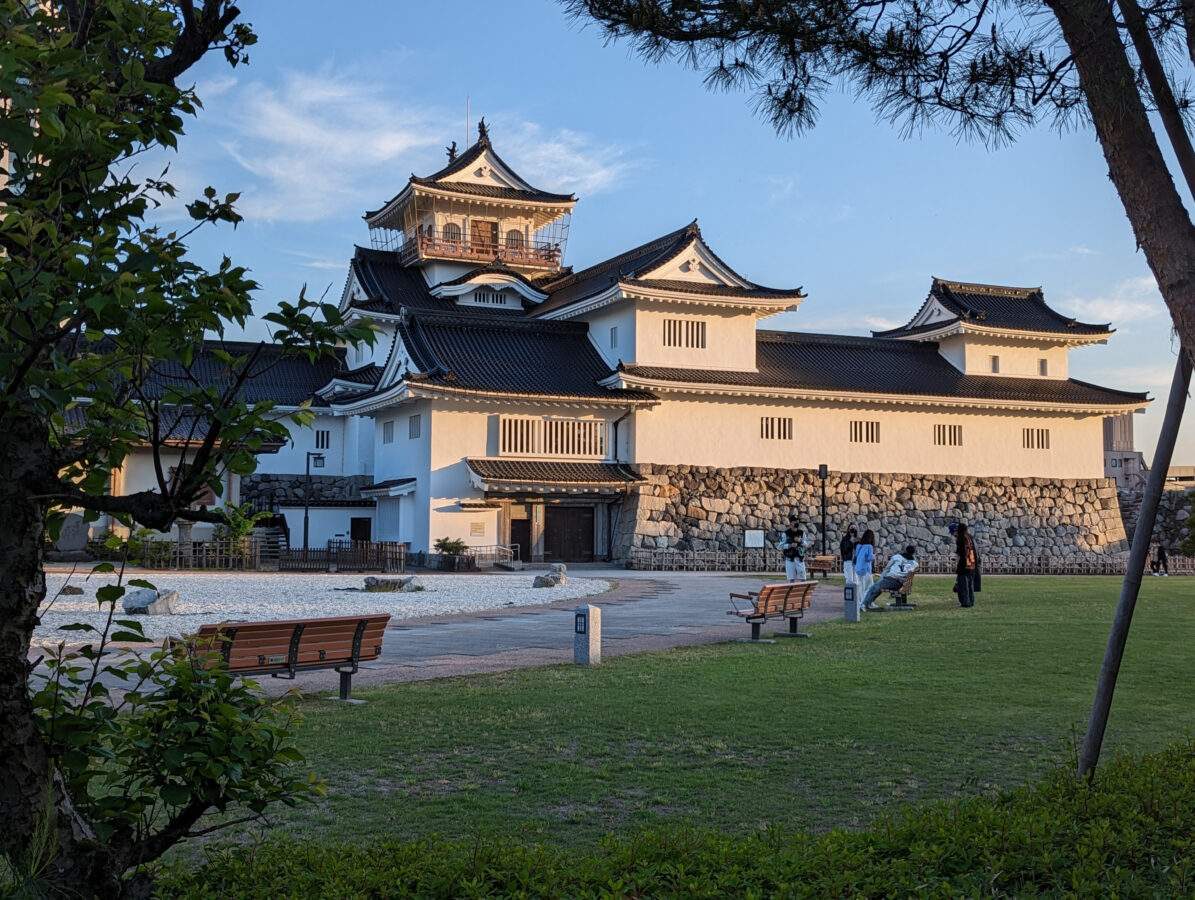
71 590
148 602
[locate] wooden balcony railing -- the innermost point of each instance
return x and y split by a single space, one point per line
539 254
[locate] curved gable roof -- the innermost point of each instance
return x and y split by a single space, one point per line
497 354
440 180
993 306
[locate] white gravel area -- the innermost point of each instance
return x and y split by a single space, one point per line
206 598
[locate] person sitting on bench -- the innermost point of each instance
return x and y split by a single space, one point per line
899 566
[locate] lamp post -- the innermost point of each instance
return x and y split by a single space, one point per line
822 471
317 460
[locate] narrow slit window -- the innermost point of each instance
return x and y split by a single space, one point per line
865 432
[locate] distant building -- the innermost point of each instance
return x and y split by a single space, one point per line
1121 460
514 400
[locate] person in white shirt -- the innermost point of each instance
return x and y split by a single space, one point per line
792 546
899 566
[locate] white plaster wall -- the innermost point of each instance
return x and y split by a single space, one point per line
727 434
954 350
1018 360
730 339
406 458
622 317
291 459
325 523
459 433
139 474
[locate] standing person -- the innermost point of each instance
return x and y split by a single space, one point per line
792 547
898 568
1153 557
968 559
847 549
865 554
1161 561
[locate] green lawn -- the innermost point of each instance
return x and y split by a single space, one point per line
816 733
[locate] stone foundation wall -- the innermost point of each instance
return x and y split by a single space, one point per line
702 508
272 491
1174 508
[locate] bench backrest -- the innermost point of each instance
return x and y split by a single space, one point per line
824 562
268 645
777 599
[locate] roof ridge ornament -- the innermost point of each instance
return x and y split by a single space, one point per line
483 132
451 151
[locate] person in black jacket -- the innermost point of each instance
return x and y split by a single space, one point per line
968 562
847 549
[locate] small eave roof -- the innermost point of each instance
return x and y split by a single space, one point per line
527 474
994 306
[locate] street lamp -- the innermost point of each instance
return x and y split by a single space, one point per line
317 460
822 471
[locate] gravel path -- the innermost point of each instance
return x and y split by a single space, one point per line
211 597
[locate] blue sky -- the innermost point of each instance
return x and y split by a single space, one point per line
333 114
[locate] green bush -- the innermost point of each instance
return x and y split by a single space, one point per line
450 546
1131 834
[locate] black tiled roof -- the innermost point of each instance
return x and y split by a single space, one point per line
388 483
626 267
370 374
387 280
546 472
461 163
824 362
715 290
588 281
495 192
1015 309
287 381
497 353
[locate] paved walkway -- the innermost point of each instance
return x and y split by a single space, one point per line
644 611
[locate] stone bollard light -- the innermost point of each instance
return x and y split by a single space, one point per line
587 635
850 606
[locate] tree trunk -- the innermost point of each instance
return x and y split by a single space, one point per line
29 790
1138 169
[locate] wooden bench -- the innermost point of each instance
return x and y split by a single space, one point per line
774 601
900 595
282 648
823 564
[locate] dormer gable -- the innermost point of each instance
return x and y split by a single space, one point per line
492 287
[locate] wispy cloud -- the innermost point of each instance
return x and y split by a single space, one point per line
565 162
1126 302
320 142
324 143
780 188
315 261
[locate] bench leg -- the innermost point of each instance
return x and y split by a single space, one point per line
346 685
755 638
902 603
794 623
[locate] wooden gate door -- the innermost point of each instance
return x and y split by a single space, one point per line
568 534
520 533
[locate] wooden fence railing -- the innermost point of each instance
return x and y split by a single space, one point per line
243 554
770 560
340 556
